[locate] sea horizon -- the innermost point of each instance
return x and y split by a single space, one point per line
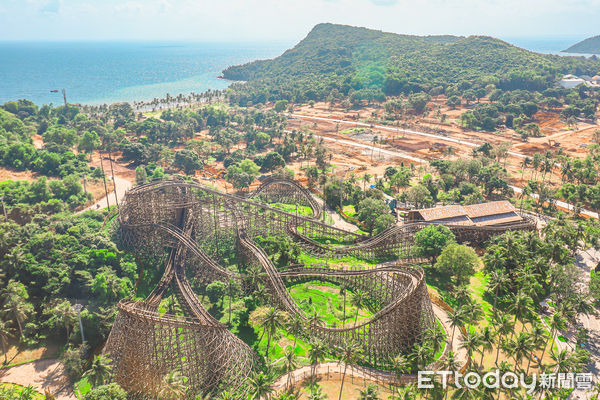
109 71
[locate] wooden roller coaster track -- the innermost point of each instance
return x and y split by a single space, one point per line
197 226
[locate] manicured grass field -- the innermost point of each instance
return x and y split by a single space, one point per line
325 299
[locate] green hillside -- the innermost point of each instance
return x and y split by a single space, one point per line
587 46
338 60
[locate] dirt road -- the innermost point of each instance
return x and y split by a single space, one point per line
43 374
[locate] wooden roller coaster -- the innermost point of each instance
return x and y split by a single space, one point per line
197 228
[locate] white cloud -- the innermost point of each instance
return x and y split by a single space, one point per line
290 20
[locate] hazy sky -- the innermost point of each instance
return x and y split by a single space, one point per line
287 20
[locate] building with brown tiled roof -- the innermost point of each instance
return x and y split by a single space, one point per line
495 213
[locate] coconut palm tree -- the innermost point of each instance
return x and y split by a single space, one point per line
358 300
173 386
450 364
561 361
316 353
271 322
497 282
295 327
316 392
289 364
486 342
370 393
522 306
400 365
14 302
457 319
420 355
521 347
66 315
407 392
470 343
538 338
347 354
5 334
557 323
504 325
261 386
100 371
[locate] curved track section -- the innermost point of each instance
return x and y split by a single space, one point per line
201 230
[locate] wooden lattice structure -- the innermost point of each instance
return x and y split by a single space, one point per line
194 229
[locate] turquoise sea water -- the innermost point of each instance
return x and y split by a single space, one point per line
107 72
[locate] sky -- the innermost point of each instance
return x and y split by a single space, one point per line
290 21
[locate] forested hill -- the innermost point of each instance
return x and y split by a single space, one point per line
339 60
587 46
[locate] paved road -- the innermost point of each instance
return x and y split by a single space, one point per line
122 186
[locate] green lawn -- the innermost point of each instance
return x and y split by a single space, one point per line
325 299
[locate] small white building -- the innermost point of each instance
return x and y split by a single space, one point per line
571 81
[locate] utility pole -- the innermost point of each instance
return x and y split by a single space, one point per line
78 307
84 185
104 178
64 93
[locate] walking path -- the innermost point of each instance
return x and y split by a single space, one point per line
370 374
42 374
122 186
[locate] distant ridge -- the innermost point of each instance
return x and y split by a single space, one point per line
339 60
587 46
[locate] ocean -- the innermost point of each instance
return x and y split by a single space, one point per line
109 72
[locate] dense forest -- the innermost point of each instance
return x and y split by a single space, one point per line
587 46
336 61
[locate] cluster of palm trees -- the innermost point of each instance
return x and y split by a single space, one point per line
578 177
15 308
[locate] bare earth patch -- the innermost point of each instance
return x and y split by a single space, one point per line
42 374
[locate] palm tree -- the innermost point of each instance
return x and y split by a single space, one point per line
316 392
295 327
173 386
521 306
316 353
521 347
407 392
420 355
100 371
347 354
271 322
450 364
14 302
470 344
400 365
557 322
486 342
457 319
497 282
504 325
370 393
435 335
538 338
561 361
358 300
5 333
260 386
289 364
67 316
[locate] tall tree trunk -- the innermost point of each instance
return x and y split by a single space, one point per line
343 377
